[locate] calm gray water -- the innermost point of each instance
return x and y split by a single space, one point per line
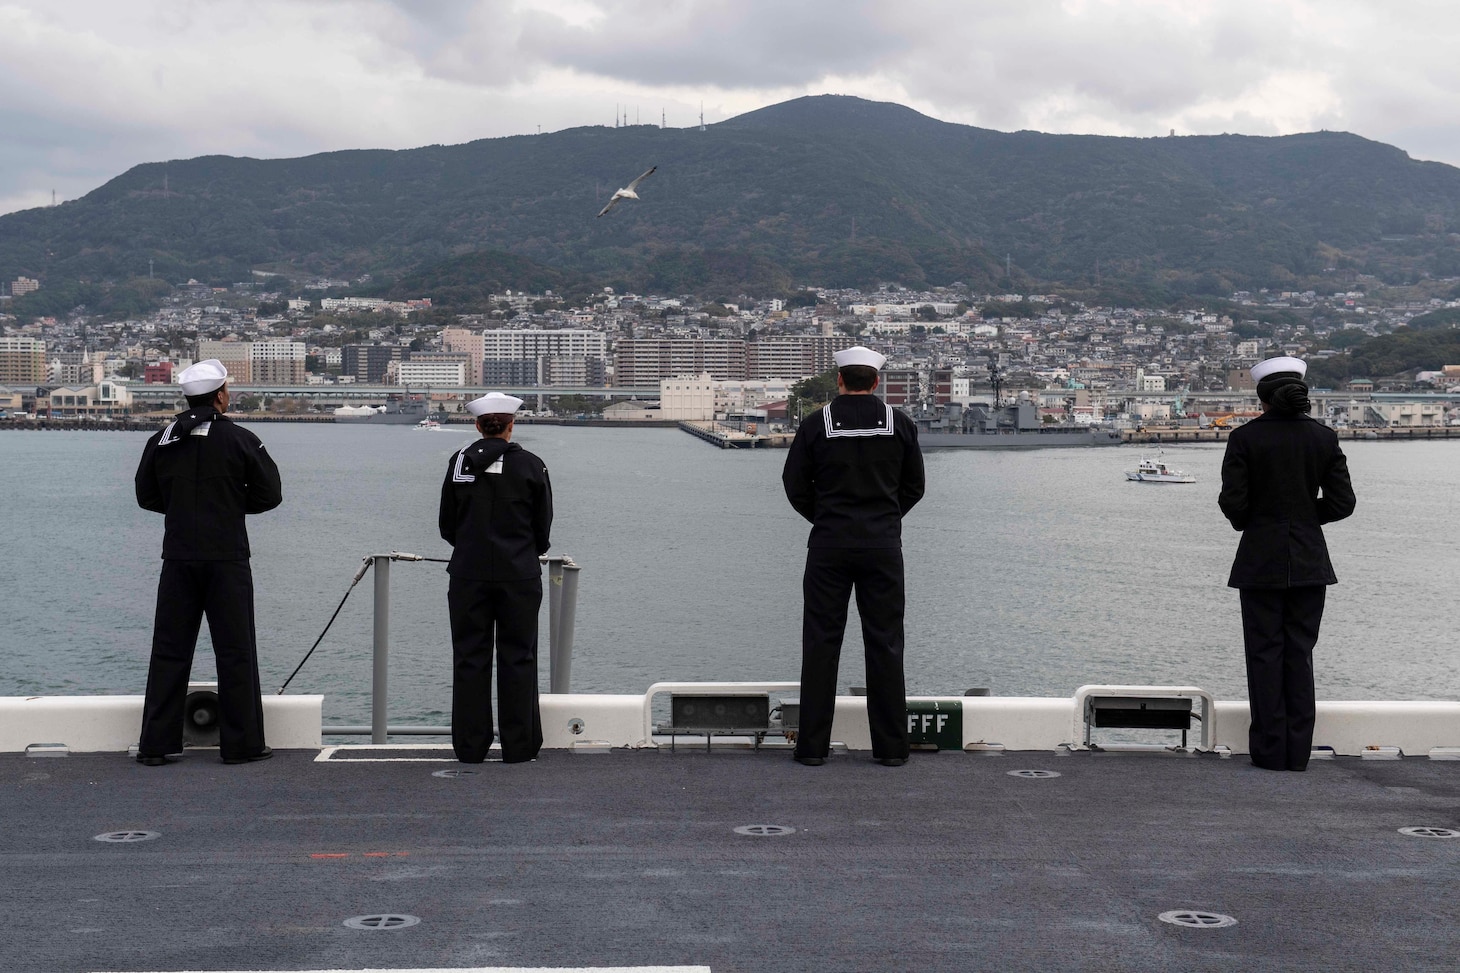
1031 573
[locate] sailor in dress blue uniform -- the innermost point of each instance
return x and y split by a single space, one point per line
1283 477
854 470
497 513
204 473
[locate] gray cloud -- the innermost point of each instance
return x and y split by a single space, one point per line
91 87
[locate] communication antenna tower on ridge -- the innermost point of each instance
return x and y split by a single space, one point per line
702 116
53 197
615 116
661 119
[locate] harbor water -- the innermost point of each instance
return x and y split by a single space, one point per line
1029 572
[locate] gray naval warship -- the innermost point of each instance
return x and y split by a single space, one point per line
1012 425
399 410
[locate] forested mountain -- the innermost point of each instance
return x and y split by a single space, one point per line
828 190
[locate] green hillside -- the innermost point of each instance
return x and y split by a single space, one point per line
828 190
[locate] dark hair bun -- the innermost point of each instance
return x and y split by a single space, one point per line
494 423
1291 398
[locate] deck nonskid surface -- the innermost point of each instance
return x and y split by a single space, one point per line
633 859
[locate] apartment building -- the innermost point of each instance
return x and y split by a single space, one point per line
507 343
236 356
276 361
22 361
645 361
794 356
368 363
469 343
431 373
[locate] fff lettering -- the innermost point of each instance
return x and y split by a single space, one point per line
922 722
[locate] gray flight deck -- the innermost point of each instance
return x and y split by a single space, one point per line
631 858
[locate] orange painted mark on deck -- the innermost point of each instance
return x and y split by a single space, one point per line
330 855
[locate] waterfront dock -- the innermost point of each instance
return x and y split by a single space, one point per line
1346 433
730 437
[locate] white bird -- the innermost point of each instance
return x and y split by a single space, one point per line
627 192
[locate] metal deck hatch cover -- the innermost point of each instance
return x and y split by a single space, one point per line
384 920
1034 774
1197 920
1430 832
122 836
764 830
453 772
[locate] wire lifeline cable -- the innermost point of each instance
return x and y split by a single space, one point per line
365 565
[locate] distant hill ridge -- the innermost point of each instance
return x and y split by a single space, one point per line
830 190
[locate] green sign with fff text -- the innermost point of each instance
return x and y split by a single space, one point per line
935 723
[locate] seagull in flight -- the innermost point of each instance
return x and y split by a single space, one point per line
627 192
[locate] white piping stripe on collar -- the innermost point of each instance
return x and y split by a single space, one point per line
167 436
458 475
833 433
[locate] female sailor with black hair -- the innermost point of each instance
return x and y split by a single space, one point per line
496 512
1283 477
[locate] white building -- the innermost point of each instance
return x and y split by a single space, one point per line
276 361
688 397
430 374
511 344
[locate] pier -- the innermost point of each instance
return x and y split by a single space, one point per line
729 437
1182 434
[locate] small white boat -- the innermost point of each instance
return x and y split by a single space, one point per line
427 425
1156 471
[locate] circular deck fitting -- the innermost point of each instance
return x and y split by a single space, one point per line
1034 774
387 920
1197 920
764 830
453 772
125 836
575 726
1430 832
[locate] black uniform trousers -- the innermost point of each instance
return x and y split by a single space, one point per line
504 613
877 576
1279 630
188 590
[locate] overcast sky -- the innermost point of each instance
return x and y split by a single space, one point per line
89 88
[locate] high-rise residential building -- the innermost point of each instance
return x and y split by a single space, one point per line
277 361
470 343
464 359
368 363
510 373
506 343
236 356
431 374
22 361
645 361
576 371
794 356
23 285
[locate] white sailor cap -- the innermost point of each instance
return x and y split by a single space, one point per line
205 376
494 403
1273 366
859 355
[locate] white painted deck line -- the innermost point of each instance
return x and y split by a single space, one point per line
480 969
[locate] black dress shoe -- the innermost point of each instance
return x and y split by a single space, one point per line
892 761
263 754
148 760
810 761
